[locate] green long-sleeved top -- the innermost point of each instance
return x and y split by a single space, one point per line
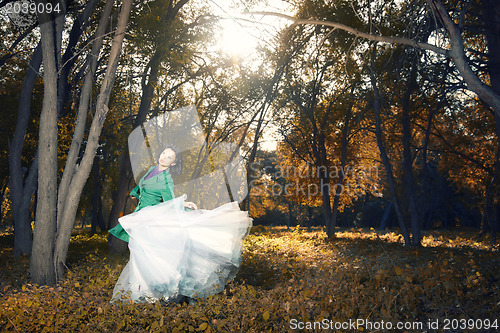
150 192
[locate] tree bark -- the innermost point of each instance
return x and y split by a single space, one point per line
491 19
83 107
41 265
325 186
5 183
21 190
97 217
69 57
343 161
409 181
65 226
487 93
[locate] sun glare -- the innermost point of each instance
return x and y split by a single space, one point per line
236 39
242 33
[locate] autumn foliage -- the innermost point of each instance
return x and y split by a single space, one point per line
286 275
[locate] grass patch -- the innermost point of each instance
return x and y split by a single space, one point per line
286 277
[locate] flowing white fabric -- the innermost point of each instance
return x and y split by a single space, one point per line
176 253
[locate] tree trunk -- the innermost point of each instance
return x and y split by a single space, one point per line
490 206
291 219
97 218
385 217
326 202
65 226
320 162
426 176
415 219
5 183
491 19
269 98
384 156
343 160
258 131
320 156
69 57
83 107
490 95
42 265
20 190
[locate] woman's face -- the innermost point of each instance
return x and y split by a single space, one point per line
167 158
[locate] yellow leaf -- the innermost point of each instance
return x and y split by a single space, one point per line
252 291
265 315
202 327
398 270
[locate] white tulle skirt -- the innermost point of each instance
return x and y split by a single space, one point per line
176 253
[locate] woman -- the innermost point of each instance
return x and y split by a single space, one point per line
176 250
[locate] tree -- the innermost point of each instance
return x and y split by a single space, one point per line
378 19
318 105
55 214
23 184
42 265
456 52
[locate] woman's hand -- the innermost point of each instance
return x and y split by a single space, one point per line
190 205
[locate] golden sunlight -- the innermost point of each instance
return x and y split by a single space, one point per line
241 32
237 39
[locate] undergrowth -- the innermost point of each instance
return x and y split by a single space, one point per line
288 280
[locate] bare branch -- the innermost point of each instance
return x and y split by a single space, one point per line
355 32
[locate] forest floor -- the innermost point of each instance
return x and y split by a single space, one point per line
295 280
